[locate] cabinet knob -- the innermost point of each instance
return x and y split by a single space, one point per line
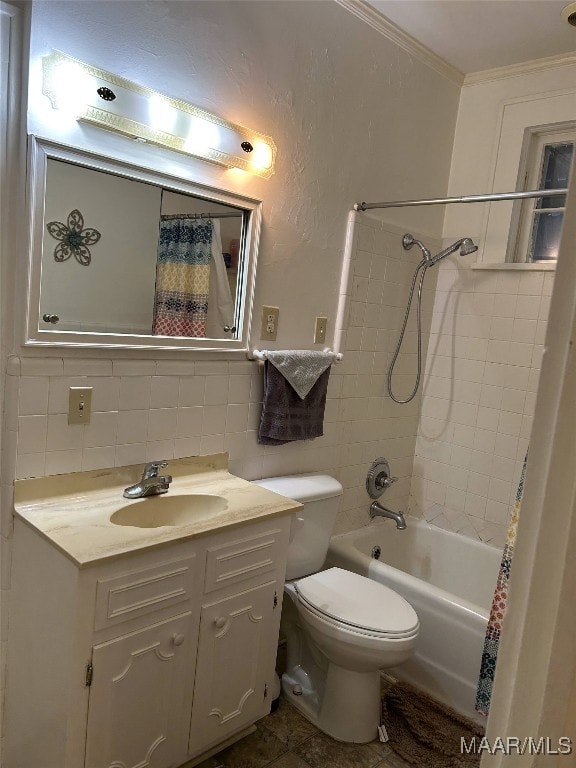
177 638
220 622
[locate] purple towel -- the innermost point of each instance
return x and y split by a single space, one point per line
287 417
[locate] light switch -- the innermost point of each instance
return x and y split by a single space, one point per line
320 332
79 405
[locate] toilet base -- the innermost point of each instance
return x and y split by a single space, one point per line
349 708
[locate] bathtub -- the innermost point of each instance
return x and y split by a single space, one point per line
449 581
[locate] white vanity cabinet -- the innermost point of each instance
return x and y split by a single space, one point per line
148 659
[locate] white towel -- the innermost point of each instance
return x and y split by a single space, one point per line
301 367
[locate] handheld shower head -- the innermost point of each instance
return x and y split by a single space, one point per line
409 240
466 246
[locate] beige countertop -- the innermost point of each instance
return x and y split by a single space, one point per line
73 511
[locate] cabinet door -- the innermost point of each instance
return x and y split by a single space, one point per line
138 710
236 656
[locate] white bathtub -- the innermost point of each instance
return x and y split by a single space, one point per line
449 580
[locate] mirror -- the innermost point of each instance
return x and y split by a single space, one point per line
123 256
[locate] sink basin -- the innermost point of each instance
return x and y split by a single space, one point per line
158 511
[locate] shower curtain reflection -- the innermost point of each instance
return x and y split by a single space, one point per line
193 296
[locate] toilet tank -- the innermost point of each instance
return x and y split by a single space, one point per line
313 525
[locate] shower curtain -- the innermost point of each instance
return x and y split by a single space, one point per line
498 610
182 276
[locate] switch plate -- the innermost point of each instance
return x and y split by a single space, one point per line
320 332
79 405
269 328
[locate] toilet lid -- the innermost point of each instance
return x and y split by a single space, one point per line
358 601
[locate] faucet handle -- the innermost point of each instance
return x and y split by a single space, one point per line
385 481
152 468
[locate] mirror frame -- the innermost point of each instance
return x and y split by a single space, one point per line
40 151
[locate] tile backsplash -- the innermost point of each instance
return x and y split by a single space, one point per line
146 409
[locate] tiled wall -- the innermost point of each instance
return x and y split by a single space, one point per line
482 370
144 410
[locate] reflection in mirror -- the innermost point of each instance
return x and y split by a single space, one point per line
125 256
165 263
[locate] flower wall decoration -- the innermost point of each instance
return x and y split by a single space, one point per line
74 239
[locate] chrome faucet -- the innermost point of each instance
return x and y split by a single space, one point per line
151 483
377 510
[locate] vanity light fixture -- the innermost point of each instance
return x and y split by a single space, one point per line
119 105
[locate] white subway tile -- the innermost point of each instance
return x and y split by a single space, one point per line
497 512
528 307
505 304
186 446
33 395
506 445
160 449
41 366
216 390
164 391
101 431
62 436
513 400
501 328
491 397
161 424
134 393
487 418
98 458
32 432
237 417
510 423
87 367
135 453
106 393
524 330
484 440
192 390
62 462
475 505
214 421
30 465
138 368
132 426
211 444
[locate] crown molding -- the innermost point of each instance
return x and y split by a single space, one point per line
381 24
517 70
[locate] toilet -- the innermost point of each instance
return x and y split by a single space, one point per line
341 628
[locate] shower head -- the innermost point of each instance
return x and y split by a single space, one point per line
466 246
409 240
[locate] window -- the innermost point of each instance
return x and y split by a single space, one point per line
537 223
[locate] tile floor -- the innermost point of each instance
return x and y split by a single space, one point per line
285 739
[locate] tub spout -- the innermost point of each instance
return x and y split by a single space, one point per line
377 510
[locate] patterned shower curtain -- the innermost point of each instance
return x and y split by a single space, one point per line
499 603
182 276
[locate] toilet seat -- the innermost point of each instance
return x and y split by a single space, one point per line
355 603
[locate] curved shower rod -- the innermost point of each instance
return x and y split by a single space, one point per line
466 199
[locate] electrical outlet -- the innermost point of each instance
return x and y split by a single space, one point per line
79 405
269 327
320 332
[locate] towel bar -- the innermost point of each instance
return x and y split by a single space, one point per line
262 354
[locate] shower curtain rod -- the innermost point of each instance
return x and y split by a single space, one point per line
466 199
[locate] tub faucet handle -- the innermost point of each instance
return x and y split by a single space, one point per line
379 478
383 480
